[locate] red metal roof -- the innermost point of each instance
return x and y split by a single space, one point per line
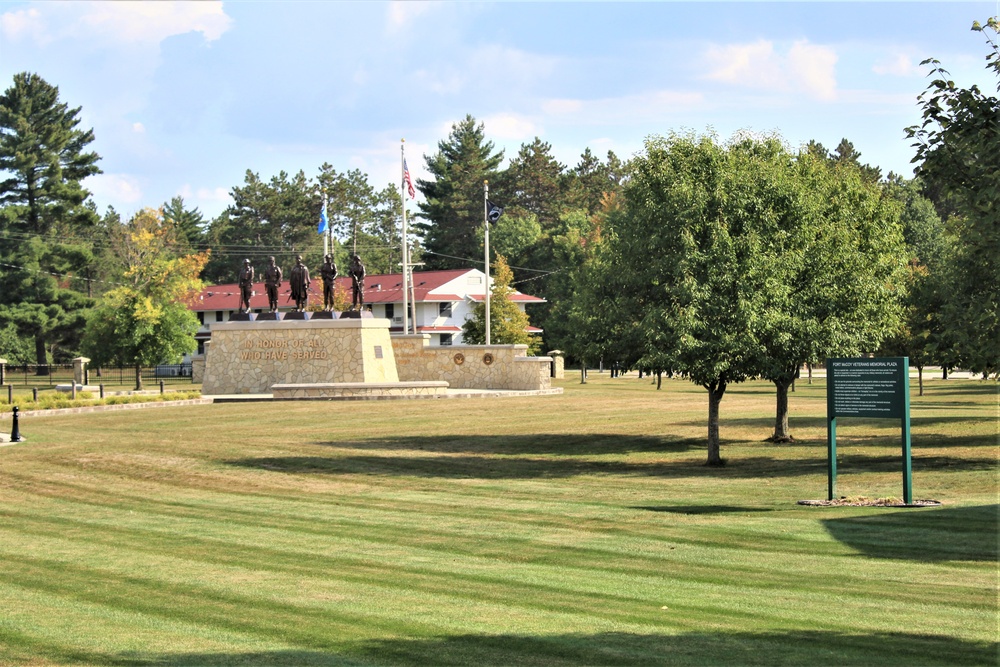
516 297
379 288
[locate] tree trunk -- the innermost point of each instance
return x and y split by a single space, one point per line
715 391
583 373
810 369
138 377
659 380
41 356
920 379
944 372
781 433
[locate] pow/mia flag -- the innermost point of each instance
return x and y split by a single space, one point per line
493 212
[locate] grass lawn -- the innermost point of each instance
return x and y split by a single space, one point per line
560 530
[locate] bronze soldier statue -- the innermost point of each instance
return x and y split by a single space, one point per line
246 286
299 281
329 274
272 281
357 273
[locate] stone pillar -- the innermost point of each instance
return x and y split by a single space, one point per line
3 371
80 370
558 364
198 365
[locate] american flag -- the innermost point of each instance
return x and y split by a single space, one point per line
408 180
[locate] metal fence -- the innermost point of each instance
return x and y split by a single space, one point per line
50 375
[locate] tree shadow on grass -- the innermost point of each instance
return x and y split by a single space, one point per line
702 509
940 534
612 649
766 425
516 457
554 444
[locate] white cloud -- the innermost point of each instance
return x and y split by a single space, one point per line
115 189
116 22
508 126
814 68
155 21
897 65
647 107
806 67
447 83
561 107
138 128
506 68
210 195
400 14
24 23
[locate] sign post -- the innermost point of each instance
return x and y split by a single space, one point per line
868 387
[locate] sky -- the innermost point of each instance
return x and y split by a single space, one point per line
185 97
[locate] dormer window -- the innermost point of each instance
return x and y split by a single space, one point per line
444 309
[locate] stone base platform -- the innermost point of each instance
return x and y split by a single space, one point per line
253 357
360 390
68 388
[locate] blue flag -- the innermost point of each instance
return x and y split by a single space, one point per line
324 221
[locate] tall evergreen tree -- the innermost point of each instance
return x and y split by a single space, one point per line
43 151
44 214
277 217
535 182
189 223
452 209
592 180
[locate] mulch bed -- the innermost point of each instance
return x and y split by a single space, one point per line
862 501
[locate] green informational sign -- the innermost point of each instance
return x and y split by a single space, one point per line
868 387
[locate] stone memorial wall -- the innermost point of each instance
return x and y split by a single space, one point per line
471 366
251 357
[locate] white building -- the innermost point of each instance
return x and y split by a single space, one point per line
441 301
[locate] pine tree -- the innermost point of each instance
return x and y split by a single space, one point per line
535 182
189 223
43 151
453 206
44 215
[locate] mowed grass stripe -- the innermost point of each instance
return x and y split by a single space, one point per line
413 572
527 546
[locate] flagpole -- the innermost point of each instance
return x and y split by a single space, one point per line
406 248
486 246
326 237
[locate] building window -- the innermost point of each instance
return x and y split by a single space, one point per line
444 309
201 347
446 339
390 310
201 317
218 316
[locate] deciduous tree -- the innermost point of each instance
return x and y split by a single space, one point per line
146 320
508 323
958 155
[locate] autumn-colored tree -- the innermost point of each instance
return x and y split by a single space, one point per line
508 323
146 319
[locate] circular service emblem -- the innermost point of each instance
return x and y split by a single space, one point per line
487 358
459 358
